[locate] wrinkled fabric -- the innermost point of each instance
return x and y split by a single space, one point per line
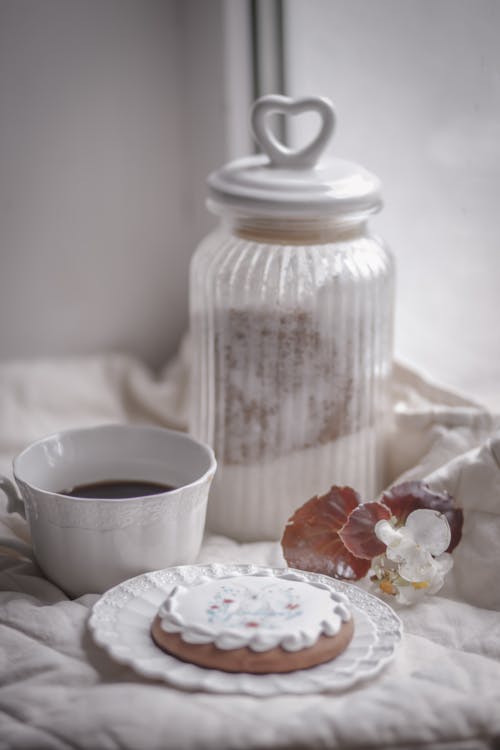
59 690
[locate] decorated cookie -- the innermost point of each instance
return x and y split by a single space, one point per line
254 623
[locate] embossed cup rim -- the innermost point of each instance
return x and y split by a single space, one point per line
110 427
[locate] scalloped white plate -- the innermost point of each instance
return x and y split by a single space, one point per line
120 622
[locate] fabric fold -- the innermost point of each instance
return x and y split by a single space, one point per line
58 689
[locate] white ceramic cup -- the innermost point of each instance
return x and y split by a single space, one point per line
88 545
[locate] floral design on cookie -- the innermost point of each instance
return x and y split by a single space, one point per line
239 605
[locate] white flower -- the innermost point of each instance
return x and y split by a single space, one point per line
415 561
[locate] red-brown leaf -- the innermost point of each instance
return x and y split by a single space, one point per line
331 510
358 532
403 499
311 541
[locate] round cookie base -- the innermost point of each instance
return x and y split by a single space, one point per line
276 660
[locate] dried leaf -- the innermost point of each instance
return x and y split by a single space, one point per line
358 532
311 541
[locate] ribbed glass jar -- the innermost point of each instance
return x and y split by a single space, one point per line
291 325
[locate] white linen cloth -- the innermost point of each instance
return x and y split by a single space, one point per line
58 690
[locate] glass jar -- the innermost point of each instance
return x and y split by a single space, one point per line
291 306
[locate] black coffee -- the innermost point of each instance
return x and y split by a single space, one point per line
117 489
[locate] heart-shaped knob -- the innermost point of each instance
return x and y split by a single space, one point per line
279 154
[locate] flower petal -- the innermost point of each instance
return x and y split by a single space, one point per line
418 566
444 563
404 498
386 532
409 594
430 529
402 548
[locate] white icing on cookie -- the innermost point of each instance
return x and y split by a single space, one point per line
259 611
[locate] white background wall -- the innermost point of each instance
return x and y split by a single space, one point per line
416 86
111 114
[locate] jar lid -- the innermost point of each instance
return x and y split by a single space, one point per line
288 183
